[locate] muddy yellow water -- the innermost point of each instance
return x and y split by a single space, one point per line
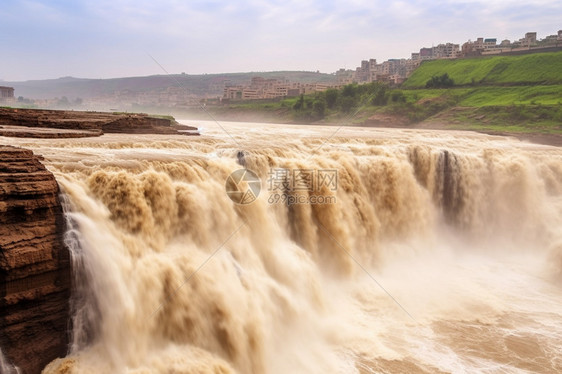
363 251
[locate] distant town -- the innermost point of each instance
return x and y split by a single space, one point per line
222 89
394 71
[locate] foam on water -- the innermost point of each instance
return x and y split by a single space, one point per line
441 252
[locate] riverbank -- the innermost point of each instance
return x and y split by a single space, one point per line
445 120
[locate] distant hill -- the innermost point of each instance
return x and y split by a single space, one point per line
537 68
199 85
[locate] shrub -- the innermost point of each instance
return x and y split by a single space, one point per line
346 103
319 108
443 81
299 104
398 97
331 97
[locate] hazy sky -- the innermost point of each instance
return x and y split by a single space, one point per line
113 38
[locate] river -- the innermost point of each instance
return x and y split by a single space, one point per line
335 250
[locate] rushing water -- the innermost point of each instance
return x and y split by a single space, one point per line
6 367
429 252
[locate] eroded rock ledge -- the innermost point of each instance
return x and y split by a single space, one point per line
41 123
34 263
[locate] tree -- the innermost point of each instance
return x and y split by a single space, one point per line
346 103
443 81
308 102
349 90
398 97
331 97
380 96
299 104
319 108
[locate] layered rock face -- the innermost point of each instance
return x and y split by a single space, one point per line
34 263
42 123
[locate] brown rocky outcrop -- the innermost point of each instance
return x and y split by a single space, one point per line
34 263
43 123
45 132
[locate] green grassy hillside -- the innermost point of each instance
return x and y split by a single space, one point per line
492 96
538 68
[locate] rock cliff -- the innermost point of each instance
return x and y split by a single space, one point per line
34 264
42 123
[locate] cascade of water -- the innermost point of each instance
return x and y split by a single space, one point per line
172 275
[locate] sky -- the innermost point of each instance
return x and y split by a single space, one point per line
48 39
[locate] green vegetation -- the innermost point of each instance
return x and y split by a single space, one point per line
500 93
512 118
498 96
507 94
443 81
346 102
537 68
492 96
508 109
514 109
351 102
163 116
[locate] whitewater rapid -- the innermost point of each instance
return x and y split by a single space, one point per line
431 252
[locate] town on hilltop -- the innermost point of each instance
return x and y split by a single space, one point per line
393 71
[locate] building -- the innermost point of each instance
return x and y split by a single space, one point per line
426 53
392 71
362 73
233 92
529 39
249 93
490 43
472 49
261 88
448 50
6 93
479 44
344 76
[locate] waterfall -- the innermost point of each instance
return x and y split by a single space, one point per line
6 367
367 255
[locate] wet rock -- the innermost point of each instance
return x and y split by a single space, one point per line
34 263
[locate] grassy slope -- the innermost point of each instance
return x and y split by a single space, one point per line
517 108
493 95
519 94
538 68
